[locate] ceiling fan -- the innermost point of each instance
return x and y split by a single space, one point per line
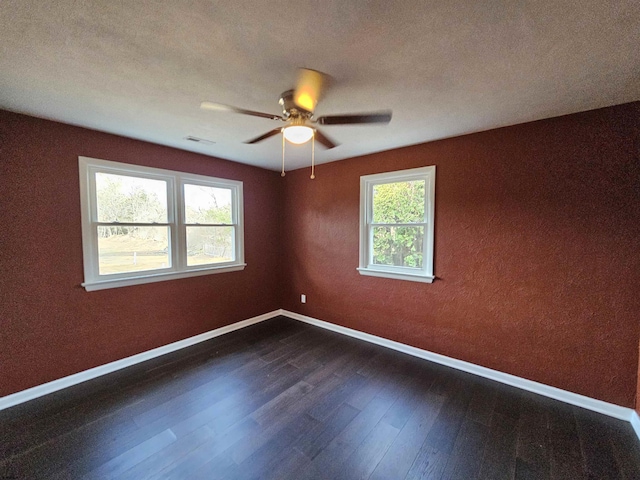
298 106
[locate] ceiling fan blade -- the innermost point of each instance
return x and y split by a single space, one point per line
309 87
324 140
354 119
219 107
271 133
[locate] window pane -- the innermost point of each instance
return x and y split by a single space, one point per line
207 204
398 246
132 249
399 202
130 199
207 245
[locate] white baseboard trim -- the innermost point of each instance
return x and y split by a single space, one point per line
610 409
635 422
76 378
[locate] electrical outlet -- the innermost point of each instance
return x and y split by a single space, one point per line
303 298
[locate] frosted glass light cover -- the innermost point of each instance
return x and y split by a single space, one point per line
298 134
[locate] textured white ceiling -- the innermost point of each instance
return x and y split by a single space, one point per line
141 68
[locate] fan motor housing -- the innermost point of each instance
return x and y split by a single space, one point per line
289 107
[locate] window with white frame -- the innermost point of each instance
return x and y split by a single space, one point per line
396 224
142 224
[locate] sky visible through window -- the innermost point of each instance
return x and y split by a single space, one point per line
203 203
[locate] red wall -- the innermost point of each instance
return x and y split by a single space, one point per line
536 251
50 326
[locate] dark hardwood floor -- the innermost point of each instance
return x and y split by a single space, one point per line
284 400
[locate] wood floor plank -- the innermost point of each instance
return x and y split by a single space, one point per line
376 385
281 402
482 403
289 463
216 469
309 357
293 411
314 440
508 401
133 456
331 458
326 405
527 471
364 460
193 399
261 459
429 463
210 415
412 389
533 449
151 466
444 432
565 457
212 453
468 452
499 461
626 449
373 366
80 447
597 450
405 448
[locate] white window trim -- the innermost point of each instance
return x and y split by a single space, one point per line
175 217
367 267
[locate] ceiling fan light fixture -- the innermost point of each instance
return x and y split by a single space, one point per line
297 134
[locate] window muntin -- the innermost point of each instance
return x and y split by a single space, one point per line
396 224
143 224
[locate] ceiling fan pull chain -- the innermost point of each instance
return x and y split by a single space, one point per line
313 155
282 174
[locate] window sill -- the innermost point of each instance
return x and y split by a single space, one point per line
396 276
159 277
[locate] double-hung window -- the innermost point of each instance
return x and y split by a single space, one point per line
142 224
396 224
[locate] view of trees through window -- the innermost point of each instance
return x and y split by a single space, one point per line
131 200
399 223
128 207
205 205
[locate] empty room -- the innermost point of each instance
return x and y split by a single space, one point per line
319 240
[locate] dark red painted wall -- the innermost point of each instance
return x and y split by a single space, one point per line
537 251
50 326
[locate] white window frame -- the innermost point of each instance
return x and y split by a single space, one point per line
88 167
367 267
